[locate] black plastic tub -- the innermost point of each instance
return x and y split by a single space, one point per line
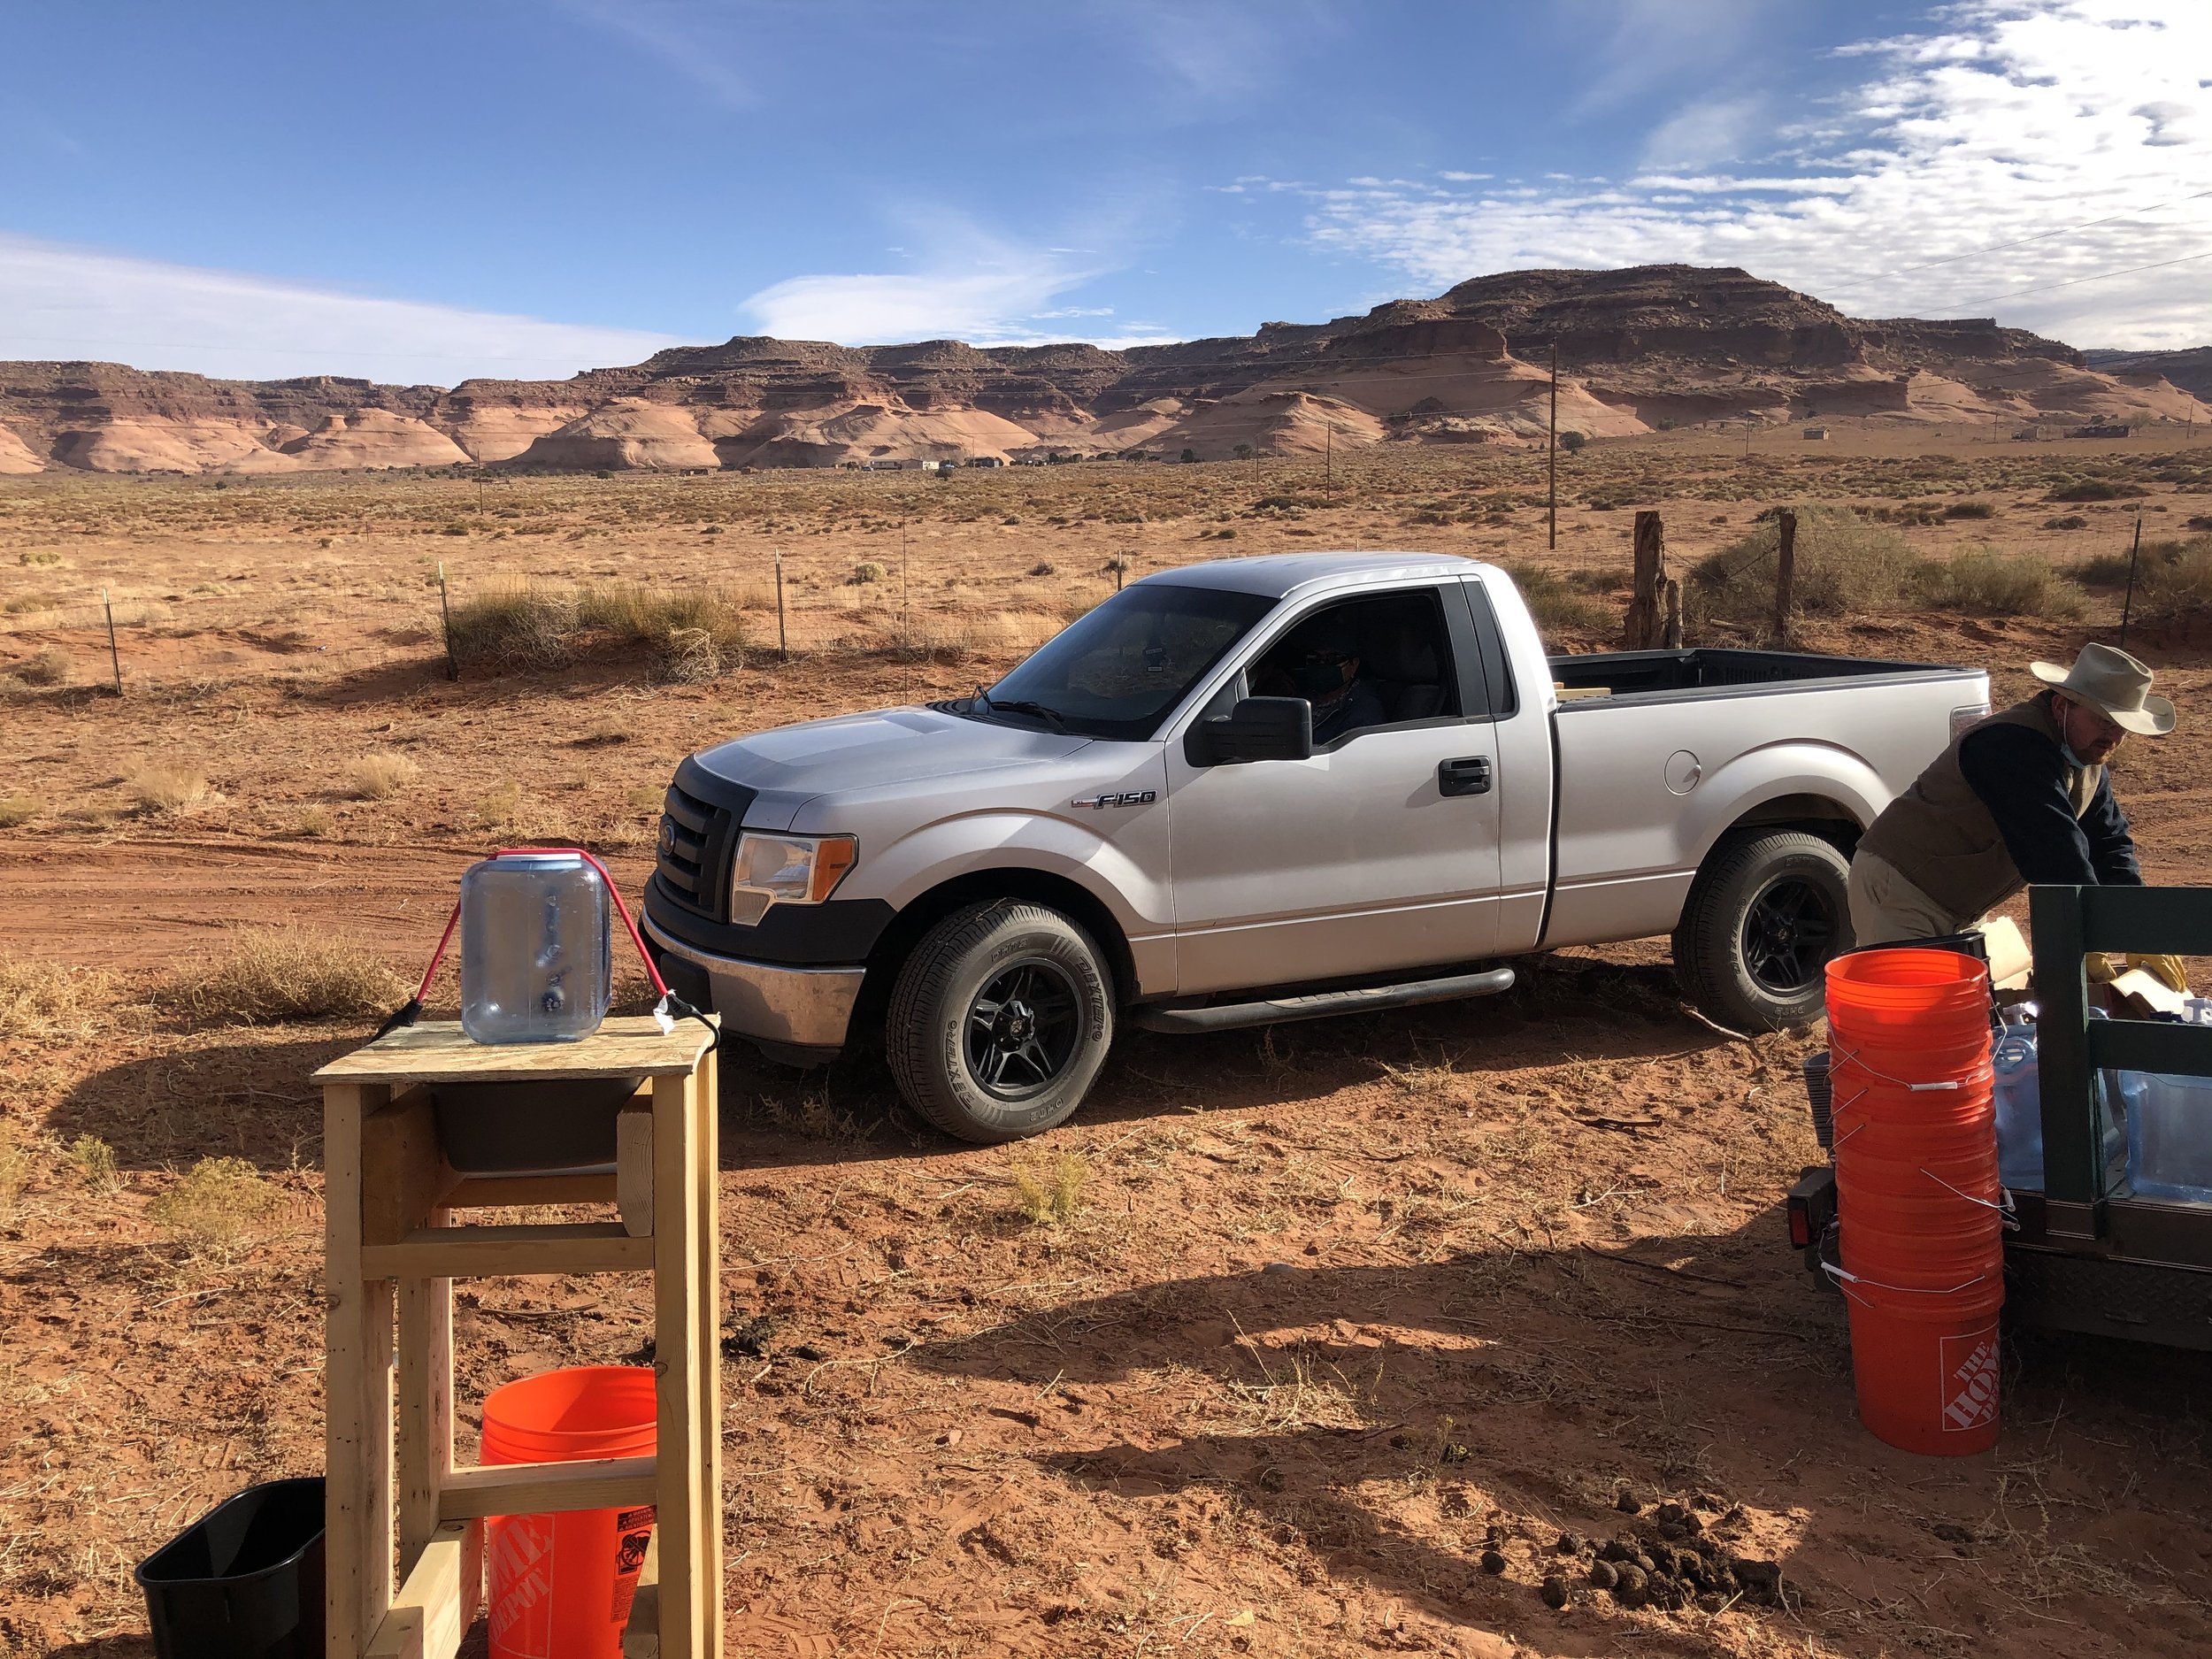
557 1127
245 1580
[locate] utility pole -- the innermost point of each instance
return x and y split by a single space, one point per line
1551 456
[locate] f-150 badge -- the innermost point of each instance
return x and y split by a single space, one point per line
1127 797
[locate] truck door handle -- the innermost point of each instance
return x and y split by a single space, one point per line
1470 776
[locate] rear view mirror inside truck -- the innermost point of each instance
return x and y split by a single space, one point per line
1258 728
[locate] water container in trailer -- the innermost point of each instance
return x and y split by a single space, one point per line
2019 1096
534 949
2170 1129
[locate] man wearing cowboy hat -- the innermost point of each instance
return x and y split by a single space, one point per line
2019 798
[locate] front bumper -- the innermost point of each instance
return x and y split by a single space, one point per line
804 1012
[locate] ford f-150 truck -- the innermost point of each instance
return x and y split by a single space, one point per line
1138 826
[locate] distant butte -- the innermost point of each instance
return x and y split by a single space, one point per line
1639 349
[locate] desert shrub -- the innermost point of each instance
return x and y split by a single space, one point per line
1970 510
270 975
215 1204
48 668
1572 441
1044 567
1557 606
42 999
41 555
1843 563
2174 583
865 572
1051 1195
374 777
2066 521
16 809
23 605
523 624
2092 489
1985 582
168 787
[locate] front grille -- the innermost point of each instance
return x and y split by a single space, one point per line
699 818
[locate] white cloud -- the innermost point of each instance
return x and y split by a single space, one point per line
972 286
61 303
2022 118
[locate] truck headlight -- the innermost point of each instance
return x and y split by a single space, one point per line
786 869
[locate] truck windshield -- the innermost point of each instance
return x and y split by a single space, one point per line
1117 671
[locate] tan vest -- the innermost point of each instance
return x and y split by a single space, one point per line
1943 840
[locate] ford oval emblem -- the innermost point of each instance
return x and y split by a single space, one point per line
668 842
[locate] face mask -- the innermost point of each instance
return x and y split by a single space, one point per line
1316 679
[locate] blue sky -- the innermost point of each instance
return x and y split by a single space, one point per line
417 192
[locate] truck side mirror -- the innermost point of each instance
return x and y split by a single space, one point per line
1258 728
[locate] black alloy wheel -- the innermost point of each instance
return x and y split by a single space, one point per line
1789 933
1023 1028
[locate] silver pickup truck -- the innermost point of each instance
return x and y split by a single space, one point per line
1268 789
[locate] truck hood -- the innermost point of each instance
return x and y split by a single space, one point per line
794 765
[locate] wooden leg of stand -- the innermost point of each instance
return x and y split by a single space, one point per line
677 1359
709 1302
426 1404
358 1383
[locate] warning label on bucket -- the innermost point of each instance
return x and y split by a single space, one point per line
1969 1379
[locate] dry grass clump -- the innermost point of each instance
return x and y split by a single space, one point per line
16 809
167 787
1051 1195
378 776
269 976
94 1163
42 999
1844 564
216 1205
50 667
527 624
1985 582
15 1167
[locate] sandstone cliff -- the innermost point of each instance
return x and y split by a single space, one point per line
1637 349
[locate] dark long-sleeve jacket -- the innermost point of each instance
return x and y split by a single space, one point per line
2023 778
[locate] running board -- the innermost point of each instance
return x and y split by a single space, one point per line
1231 1016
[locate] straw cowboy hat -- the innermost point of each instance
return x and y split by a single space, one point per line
2113 684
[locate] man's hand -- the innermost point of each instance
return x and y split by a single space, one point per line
2166 969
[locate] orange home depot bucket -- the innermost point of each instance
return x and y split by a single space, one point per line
561 1584
1926 1365
1931 1006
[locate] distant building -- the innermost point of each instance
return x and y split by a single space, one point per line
2102 431
987 460
885 466
1817 434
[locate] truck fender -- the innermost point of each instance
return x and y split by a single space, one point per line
953 847
1758 776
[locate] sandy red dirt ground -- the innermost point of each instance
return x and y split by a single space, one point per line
1343 1305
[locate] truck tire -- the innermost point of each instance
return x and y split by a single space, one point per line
999 1021
1764 916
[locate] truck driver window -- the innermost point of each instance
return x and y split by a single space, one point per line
1364 664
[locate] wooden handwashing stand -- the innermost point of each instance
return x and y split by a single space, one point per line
397 1511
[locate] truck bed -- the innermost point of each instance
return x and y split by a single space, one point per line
1657 673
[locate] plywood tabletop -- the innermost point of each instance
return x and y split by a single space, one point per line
438 1051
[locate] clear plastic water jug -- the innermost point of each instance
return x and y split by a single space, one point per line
2017 1086
536 965
2170 1129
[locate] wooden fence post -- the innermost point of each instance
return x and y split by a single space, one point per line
783 637
445 615
1785 573
1673 641
1645 625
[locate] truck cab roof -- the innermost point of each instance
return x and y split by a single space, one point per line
1279 575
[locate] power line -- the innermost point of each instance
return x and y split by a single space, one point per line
2064 230
2102 276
